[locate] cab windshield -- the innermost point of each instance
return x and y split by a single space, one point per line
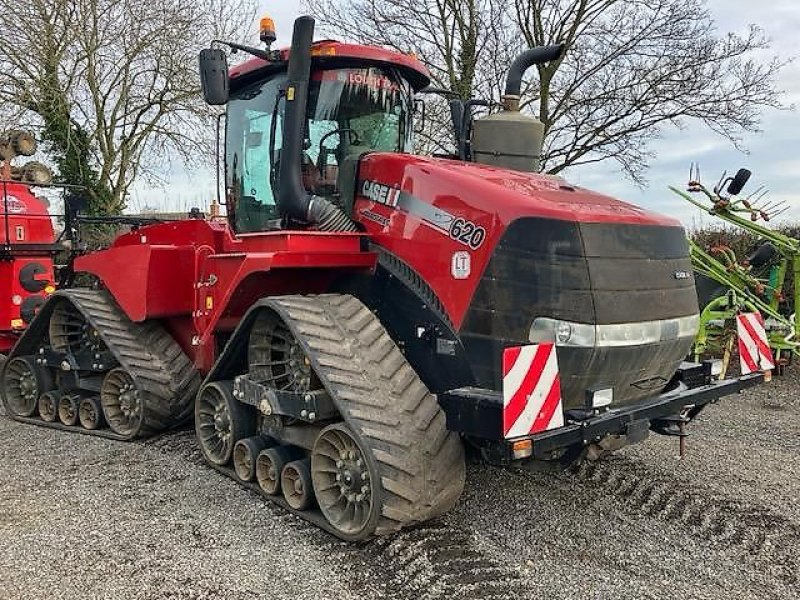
350 112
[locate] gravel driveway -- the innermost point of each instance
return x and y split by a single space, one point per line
82 517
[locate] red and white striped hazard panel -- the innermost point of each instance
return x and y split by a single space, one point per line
754 351
531 390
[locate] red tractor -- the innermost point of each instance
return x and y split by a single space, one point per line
27 239
365 313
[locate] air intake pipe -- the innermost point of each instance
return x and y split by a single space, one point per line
293 201
509 139
523 62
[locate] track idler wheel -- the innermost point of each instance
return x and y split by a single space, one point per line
68 408
221 421
343 475
298 491
48 407
245 455
23 383
121 403
90 413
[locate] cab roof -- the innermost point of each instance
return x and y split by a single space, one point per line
333 54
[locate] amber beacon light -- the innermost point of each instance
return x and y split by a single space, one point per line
266 28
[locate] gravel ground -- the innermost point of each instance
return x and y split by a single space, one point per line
83 518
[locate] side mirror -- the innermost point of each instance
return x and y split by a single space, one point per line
214 76
738 182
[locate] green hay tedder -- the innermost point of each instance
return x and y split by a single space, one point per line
756 283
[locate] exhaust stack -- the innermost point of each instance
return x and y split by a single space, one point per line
509 139
292 199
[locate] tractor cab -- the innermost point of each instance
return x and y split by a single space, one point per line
350 111
358 100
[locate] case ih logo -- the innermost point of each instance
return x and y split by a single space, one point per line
382 194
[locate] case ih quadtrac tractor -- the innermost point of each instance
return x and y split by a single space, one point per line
364 313
27 239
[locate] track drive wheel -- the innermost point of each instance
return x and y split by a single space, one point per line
121 403
342 474
276 358
23 382
48 407
69 331
221 421
68 407
90 413
245 455
298 491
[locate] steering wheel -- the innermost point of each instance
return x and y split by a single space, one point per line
324 153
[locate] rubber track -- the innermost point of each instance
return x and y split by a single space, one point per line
382 399
160 369
769 538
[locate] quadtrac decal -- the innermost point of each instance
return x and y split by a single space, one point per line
461 230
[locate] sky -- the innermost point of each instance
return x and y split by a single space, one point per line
772 155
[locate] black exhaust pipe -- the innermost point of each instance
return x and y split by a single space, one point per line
523 62
292 199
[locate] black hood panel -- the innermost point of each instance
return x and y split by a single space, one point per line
597 273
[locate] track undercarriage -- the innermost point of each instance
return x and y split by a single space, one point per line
311 404
83 366
326 417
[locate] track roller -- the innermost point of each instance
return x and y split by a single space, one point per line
90 413
68 408
245 454
23 383
298 491
48 406
221 421
269 465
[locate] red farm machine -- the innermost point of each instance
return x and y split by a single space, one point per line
27 239
364 314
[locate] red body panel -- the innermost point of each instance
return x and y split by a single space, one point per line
200 280
24 220
488 197
27 220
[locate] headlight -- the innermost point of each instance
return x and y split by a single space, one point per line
563 332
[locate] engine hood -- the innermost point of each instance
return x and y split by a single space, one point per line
507 194
444 219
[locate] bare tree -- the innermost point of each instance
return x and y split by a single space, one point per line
450 36
113 83
631 67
